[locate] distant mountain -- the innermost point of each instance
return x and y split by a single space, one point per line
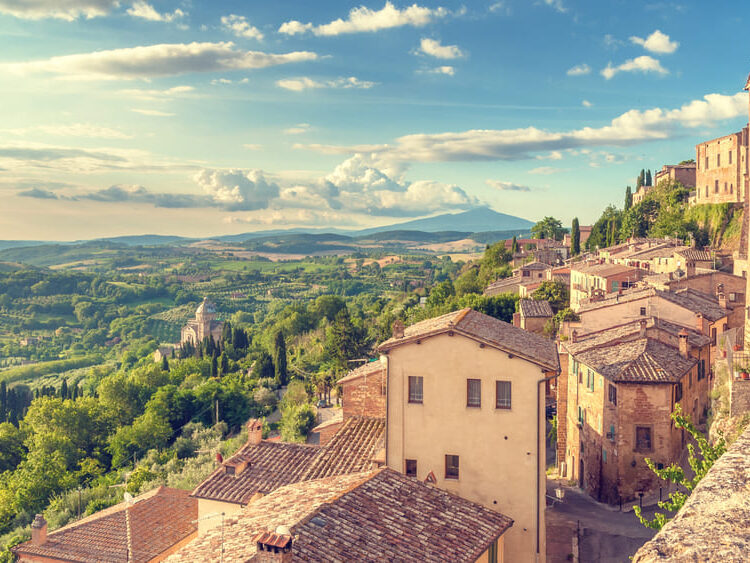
142 240
472 221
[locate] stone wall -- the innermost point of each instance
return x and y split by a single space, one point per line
365 396
713 524
717 179
739 397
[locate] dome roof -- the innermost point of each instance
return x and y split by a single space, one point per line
206 307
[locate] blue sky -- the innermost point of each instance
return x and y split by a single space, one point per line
201 118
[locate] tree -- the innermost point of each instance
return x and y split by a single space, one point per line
279 359
628 199
575 238
549 228
514 246
641 180
648 178
555 292
676 474
263 366
164 363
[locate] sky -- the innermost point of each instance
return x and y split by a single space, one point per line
199 118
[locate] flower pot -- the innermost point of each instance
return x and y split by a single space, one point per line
744 375
737 347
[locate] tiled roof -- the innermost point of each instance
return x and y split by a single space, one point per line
604 270
376 516
159 519
663 251
351 449
535 266
486 329
505 282
271 465
644 360
370 368
689 299
696 255
630 331
533 308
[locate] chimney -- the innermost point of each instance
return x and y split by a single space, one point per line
699 323
574 336
398 329
722 300
684 345
642 323
254 431
689 269
39 530
276 547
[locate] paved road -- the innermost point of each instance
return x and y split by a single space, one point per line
606 534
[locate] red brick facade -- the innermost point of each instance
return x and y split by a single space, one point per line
364 392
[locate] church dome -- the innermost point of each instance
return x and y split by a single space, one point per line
206 309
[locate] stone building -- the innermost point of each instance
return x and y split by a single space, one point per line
466 411
721 169
533 315
682 173
205 325
622 385
594 280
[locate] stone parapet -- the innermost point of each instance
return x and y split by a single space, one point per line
713 524
739 397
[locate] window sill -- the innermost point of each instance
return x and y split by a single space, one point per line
416 402
447 478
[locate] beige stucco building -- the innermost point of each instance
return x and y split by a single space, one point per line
205 325
465 408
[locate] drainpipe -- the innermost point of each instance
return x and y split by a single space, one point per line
539 456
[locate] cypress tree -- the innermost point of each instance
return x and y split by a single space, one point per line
64 389
628 198
3 401
648 178
575 238
214 367
164 363
514 245
279 359
223 365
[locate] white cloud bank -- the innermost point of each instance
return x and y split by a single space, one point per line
156 60
657 42
68 10
146 11
305 83
644 64
579 70
433 48
363 19
239 26
632 127
507 186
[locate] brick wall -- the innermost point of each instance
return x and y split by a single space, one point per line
739 397
713 166
365 396
562 406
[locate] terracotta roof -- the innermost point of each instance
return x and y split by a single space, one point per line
271 465
514 280
644 360
604 270
376 516
159 519
370 368
663 251
351 449
535 266
696 255
485 329
631 330
689 299
533 308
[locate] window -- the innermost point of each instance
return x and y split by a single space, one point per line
730 157
451 467
613 394
473 392
701 369
581 416
733 297
503 397
718 160
411 467
611 433
643 438
573 366
716 186
525 273
690 378
706 162
725 186
677 391
713 336
415 389
590 380
604 456
643 311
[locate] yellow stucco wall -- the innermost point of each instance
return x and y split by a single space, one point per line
206 508
497 448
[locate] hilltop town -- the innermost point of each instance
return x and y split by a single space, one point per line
515 404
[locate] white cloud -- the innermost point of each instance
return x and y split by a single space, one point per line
500 7
629 128
306 83
586 104
644 63
239 26
156 60
68 10
579 70
445 69
364 19
557 5
221 81
433 48
71 130
657 42
146 11
235 189
546 170
297 129
507 186
152 95
152 112
611 42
